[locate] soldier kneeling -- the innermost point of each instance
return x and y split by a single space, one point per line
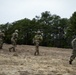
14 40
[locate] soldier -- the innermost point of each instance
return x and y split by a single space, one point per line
14 40
2 35
74 51
36 40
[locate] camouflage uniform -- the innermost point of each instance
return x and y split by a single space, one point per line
37 39
74 51
2 35
14 40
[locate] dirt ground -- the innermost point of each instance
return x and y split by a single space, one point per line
52 61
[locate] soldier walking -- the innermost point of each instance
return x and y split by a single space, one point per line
36 40
2 35
14 40
74 51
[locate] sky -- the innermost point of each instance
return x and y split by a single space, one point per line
13 10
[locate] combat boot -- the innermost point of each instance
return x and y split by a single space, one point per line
0 47
35 53
14 49
38 52
70 62
9 49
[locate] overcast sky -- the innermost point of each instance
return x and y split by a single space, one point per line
13 10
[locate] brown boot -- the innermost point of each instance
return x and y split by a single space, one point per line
14 49
70 62
9 49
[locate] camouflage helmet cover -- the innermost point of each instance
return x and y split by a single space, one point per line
16 30
38 32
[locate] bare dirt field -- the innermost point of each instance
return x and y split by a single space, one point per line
52 61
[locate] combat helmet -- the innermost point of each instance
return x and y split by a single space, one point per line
16 30
38 32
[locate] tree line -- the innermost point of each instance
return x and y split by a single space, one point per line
57 31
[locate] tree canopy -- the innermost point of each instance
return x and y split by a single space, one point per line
57 31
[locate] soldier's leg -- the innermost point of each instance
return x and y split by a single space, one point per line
0 47
1 44
10 49
14 49
37 50
14 46
12 41
72 57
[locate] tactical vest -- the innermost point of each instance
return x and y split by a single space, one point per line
14 35
38 38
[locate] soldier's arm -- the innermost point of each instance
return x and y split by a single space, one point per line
16 34
34 39
41 38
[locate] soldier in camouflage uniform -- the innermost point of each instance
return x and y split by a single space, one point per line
2 35
74 51
14 40
36 40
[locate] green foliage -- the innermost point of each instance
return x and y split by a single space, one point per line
57 31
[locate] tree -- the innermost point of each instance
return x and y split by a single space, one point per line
57 31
